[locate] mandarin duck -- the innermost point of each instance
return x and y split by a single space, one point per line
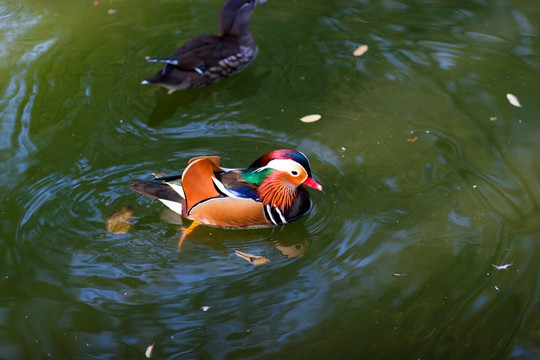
269 192
207 58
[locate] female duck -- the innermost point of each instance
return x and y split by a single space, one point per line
207 58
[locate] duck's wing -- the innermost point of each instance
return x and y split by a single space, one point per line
197 180
200 43
206 51
231 183
192 56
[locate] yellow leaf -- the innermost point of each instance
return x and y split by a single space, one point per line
361 50
310 118
120 221
252 259
148 352
513 100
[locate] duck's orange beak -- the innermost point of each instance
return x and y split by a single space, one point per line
312 184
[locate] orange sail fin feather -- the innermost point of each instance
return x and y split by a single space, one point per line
197 180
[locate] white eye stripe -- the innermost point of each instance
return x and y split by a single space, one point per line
286 165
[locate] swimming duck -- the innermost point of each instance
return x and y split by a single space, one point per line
207 58
269 192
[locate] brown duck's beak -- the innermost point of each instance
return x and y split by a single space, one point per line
312 184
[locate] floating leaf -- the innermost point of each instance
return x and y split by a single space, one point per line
413 139
502 267
310 118
513 100
361 50
252 259
148 352
120 221
400 274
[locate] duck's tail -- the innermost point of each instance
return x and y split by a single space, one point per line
168 190
163 59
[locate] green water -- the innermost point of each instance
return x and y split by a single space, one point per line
395 259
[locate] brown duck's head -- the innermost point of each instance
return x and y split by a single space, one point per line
234 16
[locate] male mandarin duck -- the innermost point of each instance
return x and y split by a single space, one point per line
269 192
207 58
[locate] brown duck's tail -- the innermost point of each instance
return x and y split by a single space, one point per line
166 59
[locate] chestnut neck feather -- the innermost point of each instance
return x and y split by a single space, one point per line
277 191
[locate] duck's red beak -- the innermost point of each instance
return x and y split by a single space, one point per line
312 184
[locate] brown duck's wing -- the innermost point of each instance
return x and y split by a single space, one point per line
190 62
203 41
229 212
201 51
197 180
211 51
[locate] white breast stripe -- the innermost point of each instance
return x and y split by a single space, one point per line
269 212
283 220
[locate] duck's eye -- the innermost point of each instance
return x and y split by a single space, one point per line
294 173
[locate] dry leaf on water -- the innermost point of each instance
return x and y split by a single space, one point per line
361 50
513 100
252 259
502 267
310 118
148 352
120 221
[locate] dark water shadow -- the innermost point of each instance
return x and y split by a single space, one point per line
167 105
240 87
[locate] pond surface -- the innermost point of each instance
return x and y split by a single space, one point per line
424 243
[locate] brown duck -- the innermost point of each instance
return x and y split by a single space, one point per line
207 58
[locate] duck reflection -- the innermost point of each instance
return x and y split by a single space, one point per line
289 248
292 247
